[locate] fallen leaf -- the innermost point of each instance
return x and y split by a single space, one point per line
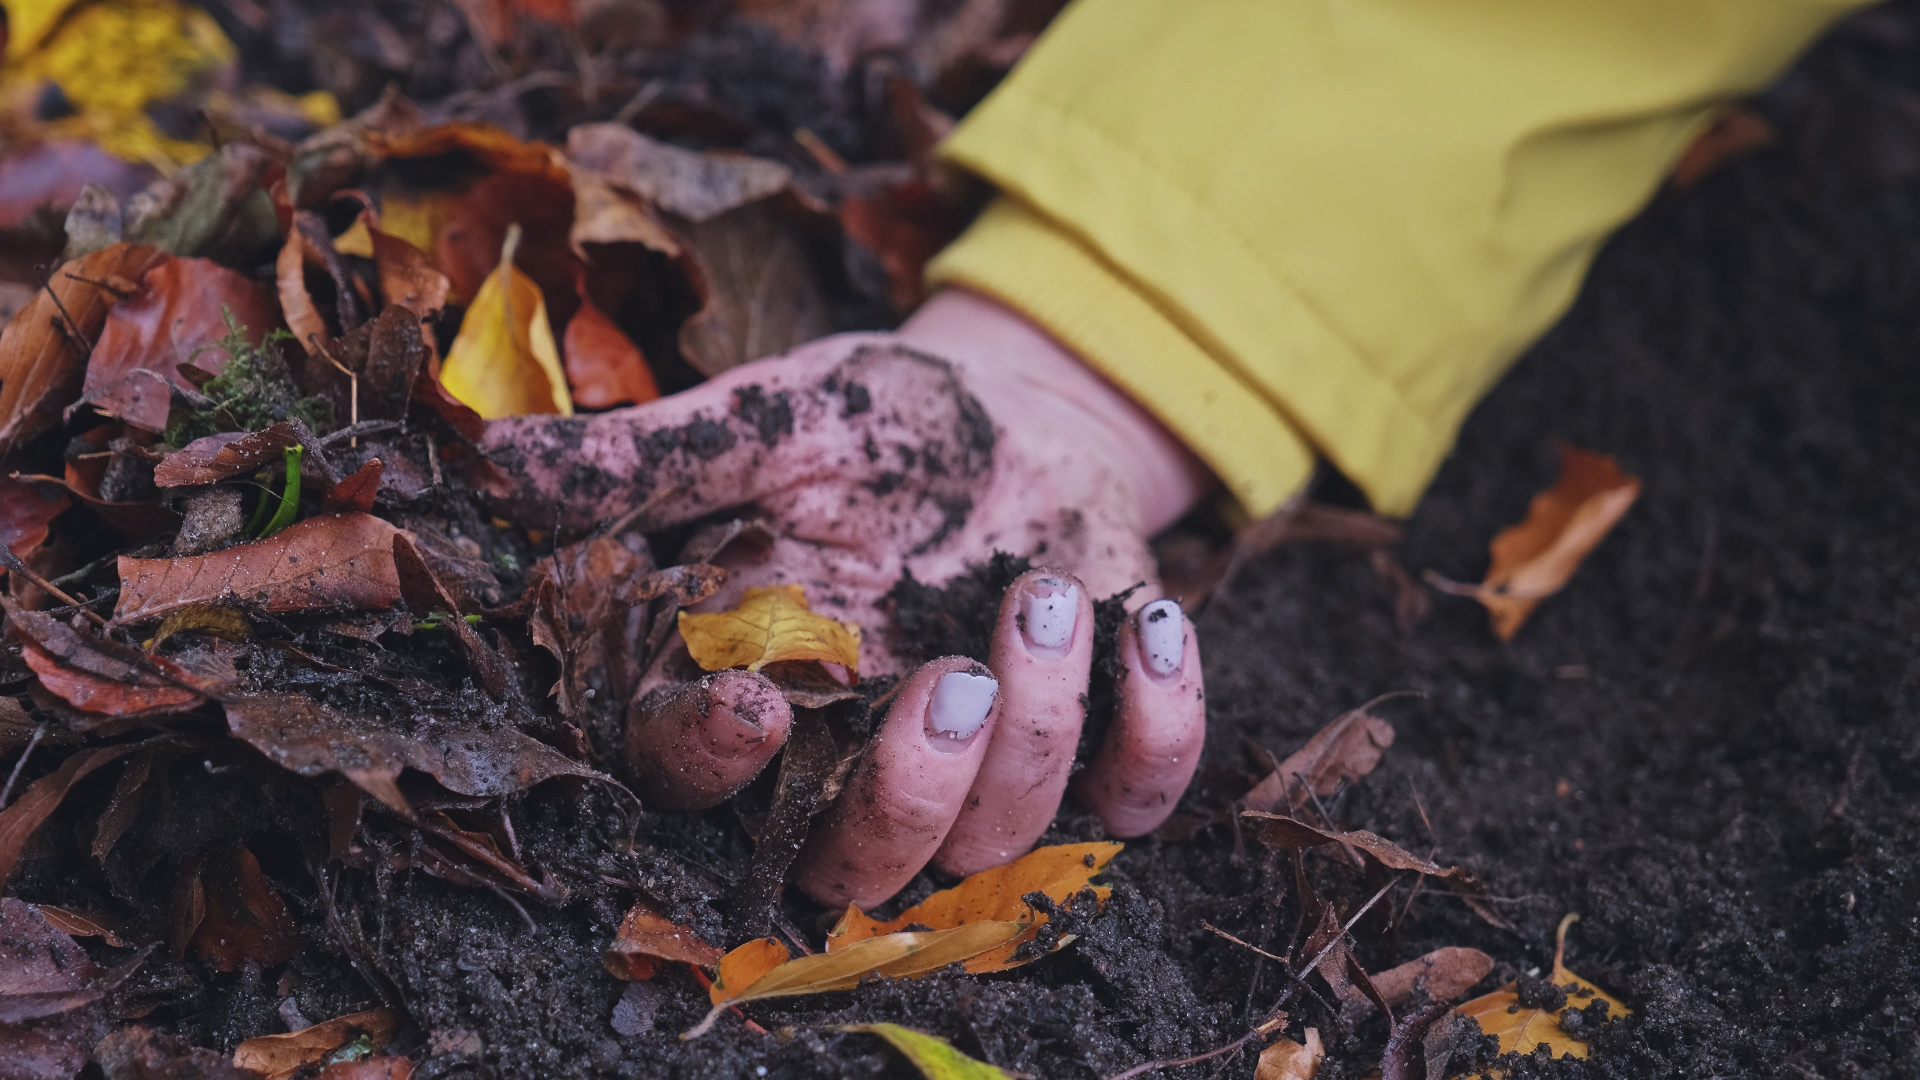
758 292
646 935
1343 751
809 765
604 366
279 1057
79 924
1443 974
695 185
1285 1059
904 225
1291 835
27 511
602 214
892 956
933 1056
311 739
33 806
426 596
1737 131
30 21
771 623
327 562
177 317
407 276
219 457
141 1053
1060 871
96 674
356 493
217 207
745 965
129 796
43 971
493 147
245 919
504 361
86 475
1520 1028
1534 559
42 365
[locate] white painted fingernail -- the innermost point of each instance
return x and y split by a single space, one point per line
960 704
1051 608
1163 636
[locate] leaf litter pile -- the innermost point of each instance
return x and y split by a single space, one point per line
312 764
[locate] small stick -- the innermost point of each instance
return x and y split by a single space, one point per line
6 792
17 566
46 282
1357 916
1235 1045
353 385
103 286
1209 927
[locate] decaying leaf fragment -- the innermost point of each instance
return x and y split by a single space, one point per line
42 971
97 674
933 1056
1345 750
647 936
892 956
1521 1027
279 1057
1534 559
326 562
1292 835
1285 1059
1059 871
504 361
771 624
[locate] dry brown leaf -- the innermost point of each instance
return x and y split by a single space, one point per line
646 936
43 972
892 956
1059 871
86 474
38 802
504 361
1520 1028
326 562
492 146
1285 1059
245 919
1443 974
1289 834
279 1057
27 511
41 367
175 318
356 493
228 454
603 214
373 1068
1534 559
407 276
311 739
771 623
604 366
695 185
758 291
1343 751
79 924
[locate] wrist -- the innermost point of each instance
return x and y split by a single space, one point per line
1023 375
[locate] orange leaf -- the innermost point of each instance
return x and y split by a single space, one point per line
745 965
771 624
1520 1029
892 956
504 361
604 366
341 562
646 935
992 895
1289 1060
1534 559
279 1057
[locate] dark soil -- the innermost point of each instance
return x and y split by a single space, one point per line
1708 745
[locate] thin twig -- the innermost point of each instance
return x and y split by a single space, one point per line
1300 778
104 286
1155 1066
15 564
353 385
1357 916
639 101
39 730
1210 928
46 282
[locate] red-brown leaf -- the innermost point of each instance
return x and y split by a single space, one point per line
43 972
41 370
97 674
604 366
356 492
1345 750
43 796
646 935
174 319
27 511
218 457
245 918
328 562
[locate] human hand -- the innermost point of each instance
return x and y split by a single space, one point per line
925 450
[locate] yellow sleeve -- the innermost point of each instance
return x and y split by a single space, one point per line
1291 227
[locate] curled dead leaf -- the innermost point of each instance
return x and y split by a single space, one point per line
1059 871
37 803
1289 834
693 184
279 1057
228 454
1343 751
604 366
646 936
504 361
759 295
96 674
772 623
1285 1059
326 562
27 511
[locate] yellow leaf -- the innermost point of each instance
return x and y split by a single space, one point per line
934 1057
28 21
1285 1059
1534 559
770 624
504 361
892 956
1520 1029
993 895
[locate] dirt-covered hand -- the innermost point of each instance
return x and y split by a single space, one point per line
874 455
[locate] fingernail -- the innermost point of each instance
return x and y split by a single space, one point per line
960 704
1048 615
1163 636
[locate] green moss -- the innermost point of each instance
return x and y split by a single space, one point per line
255 390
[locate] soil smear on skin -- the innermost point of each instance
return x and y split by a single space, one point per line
1708 745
